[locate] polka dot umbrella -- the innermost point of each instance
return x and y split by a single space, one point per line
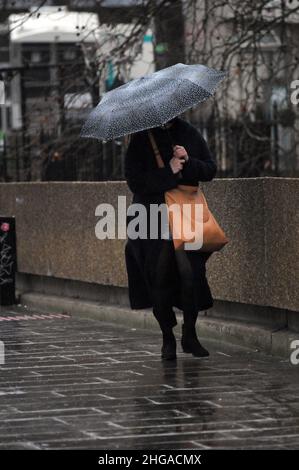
151 101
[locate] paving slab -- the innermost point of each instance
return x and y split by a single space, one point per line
71 382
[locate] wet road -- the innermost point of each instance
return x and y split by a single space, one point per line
77 383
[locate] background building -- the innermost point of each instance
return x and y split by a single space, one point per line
58 65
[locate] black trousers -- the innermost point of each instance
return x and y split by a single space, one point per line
170 259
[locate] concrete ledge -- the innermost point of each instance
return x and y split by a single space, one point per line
254 336
271 317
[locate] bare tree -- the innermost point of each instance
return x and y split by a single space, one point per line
250 125
253 123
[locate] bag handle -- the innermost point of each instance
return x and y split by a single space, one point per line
156 150
159 160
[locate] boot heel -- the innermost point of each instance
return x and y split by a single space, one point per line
186 349
168 350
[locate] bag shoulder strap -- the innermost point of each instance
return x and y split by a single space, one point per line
152 139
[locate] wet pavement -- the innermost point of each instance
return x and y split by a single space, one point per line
77 383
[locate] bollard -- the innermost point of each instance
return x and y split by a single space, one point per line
7 260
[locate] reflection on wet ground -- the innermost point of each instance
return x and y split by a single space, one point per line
71 382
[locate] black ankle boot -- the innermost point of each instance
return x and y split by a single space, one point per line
190 343
168 350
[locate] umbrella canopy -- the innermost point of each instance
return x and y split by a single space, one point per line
151 101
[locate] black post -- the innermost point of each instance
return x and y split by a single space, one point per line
24 126
169 34
8 260
4 158
276 139
17 154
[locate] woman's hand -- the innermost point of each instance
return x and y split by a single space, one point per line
180 156
176 164
180 152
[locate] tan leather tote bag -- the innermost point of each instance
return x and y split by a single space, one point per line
213 237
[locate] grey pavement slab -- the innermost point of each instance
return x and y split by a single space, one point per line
72 382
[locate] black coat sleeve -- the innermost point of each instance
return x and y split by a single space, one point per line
145 181
200 165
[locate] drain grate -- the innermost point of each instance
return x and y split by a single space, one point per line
49 316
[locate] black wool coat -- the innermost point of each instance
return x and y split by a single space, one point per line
148 184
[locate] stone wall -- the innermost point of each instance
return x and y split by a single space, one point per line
260 266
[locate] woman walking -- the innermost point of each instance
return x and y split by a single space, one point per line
159 276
